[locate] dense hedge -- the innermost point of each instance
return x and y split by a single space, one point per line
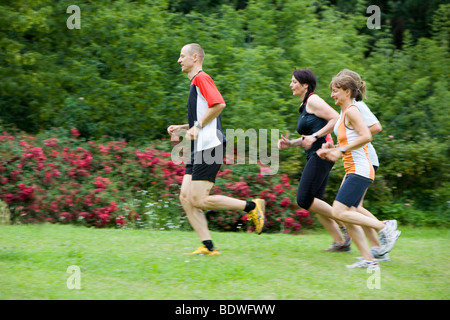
58 177
118 76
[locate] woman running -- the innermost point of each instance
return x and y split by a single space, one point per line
315 121
353 136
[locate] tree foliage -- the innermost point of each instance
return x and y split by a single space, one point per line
118 74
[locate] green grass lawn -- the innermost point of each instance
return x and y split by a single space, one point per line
141 264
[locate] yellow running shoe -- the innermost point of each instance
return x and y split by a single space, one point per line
257 215
200 250
215 252
204 250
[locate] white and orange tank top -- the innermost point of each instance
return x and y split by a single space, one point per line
355 161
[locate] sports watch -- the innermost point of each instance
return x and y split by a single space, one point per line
197 124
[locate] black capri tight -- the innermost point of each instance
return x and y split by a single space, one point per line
313 181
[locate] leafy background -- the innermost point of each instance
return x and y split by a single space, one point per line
116 79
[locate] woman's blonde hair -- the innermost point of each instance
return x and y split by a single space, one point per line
348 79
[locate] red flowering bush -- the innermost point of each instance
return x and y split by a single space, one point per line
57 177
282 212
67 180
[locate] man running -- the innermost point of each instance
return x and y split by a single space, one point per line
204 129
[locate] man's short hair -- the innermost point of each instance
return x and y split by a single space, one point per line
196 48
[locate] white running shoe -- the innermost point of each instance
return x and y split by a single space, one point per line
382 259
375 251
388 236
364 264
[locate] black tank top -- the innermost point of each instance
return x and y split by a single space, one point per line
308 124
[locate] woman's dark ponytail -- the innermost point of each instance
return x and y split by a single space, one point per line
305 76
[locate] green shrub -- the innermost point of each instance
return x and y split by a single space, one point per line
59 178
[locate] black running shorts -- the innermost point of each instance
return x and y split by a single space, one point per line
205 164
352 190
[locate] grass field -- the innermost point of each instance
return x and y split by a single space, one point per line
140 264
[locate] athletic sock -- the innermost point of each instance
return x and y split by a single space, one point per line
209 245
250 206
